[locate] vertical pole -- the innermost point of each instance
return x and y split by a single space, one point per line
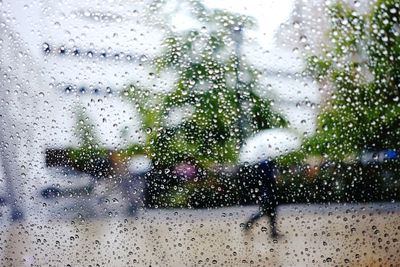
237 36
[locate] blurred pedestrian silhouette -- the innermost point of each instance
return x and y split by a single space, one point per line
264 172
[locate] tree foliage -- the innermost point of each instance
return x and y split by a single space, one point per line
361 66
215 92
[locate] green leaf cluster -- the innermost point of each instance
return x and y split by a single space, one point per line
215 91
360 64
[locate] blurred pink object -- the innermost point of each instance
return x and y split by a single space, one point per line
186 170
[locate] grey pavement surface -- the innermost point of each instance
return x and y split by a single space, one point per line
312 235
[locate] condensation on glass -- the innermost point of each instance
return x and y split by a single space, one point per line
197 133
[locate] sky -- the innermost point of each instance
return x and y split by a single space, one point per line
269 15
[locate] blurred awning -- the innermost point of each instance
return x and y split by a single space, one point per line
269 144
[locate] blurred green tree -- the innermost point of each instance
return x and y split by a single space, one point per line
361 65
215 93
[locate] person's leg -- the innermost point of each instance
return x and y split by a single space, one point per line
272 221
249 223
270 197
270 207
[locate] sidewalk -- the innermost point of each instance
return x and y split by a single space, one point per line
314 235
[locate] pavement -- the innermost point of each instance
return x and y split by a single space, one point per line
311 235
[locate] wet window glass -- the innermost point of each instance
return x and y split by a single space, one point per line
198 133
